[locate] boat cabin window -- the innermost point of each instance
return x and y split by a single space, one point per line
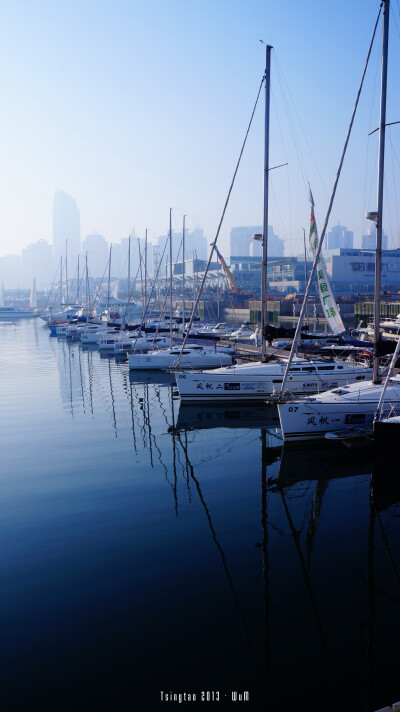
326 368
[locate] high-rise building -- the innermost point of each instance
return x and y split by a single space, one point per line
340 236
369 240
38 263
195 246
66 227
97 250
243 245
242 238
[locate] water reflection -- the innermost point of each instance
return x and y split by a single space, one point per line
196 417
287 558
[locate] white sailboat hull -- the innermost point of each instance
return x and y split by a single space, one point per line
346 409
262 381
8 313
168 359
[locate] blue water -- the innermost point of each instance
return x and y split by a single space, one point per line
147 548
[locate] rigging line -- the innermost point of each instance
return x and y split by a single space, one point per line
394 18
321 241
281 226
290 121
143 320
287 161
388 212
295 141
130 295
51 288
167 290
222 218
394 183
395 154
101 282
369 127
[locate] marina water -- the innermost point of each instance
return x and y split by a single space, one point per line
150 550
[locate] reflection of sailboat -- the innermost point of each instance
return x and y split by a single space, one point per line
198 417
228 574
320 463
162 378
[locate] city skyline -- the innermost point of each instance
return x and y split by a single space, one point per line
121 107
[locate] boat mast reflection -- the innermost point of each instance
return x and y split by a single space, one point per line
219 547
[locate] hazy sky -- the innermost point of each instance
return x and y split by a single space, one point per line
133 107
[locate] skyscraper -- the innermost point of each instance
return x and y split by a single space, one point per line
340 236
37 262
369 240
66 226
243 245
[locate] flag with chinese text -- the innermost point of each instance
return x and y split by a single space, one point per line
329 305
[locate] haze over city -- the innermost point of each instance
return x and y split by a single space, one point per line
132 108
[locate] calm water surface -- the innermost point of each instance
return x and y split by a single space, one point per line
147 548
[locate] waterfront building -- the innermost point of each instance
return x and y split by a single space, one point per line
349 272
285 275
353 271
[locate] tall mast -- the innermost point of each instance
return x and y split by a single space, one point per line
183 273
77 290
382 123
61 280
141 280
87 288
170 276
305 268
66 269
145 268
109 278
129 266
265 219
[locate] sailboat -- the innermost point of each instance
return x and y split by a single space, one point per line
33 297
263 380
10 311
356 404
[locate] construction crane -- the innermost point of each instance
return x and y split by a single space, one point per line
235 288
